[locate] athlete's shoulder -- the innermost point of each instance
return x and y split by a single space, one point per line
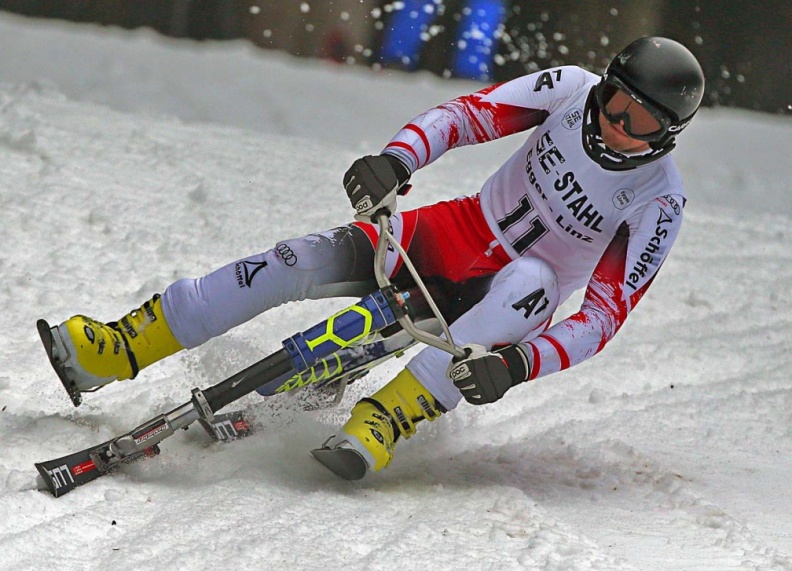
662 216
669 181
543 89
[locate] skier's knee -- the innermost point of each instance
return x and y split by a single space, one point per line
530 281
315 251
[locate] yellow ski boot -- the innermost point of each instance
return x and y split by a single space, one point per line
88 354
366 442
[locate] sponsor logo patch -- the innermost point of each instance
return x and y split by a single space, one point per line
572 119
671 201
246 271
623 198
364 204
287 254
151 433
460 372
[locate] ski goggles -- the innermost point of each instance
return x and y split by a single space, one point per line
641 119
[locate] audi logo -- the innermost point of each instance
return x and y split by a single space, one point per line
287 254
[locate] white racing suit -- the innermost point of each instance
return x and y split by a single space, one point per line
548 222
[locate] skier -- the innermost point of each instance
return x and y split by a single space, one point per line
592 199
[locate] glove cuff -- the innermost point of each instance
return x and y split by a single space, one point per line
401 170
517 361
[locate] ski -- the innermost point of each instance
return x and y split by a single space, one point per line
62 475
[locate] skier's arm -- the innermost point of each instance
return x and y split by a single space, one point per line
373 182
494 112
621 278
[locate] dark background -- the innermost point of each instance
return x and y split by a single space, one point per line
744 46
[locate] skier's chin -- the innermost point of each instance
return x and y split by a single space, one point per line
617 140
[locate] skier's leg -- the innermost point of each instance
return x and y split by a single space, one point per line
377 422
523 297
93 354
520 303
334 263
191 311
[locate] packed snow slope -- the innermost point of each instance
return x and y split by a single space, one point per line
670 450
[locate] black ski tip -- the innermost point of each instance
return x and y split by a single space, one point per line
62 475
58 479
45 333
44 480
346 463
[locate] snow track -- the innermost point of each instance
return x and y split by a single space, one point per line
671 450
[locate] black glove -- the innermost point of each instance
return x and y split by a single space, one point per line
372 183
484 376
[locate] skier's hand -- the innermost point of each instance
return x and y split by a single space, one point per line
483 376
372 184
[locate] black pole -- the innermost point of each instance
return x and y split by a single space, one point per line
248 380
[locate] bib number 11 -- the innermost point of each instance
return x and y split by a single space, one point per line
535 227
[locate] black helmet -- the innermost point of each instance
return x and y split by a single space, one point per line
665 79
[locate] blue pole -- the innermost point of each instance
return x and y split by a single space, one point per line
403 40
476 39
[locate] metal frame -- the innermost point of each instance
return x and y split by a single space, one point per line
385 238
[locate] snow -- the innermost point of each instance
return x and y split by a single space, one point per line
129 161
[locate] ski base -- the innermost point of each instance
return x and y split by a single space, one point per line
45 333
345 463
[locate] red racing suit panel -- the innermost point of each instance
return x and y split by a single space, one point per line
449 239
621 278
